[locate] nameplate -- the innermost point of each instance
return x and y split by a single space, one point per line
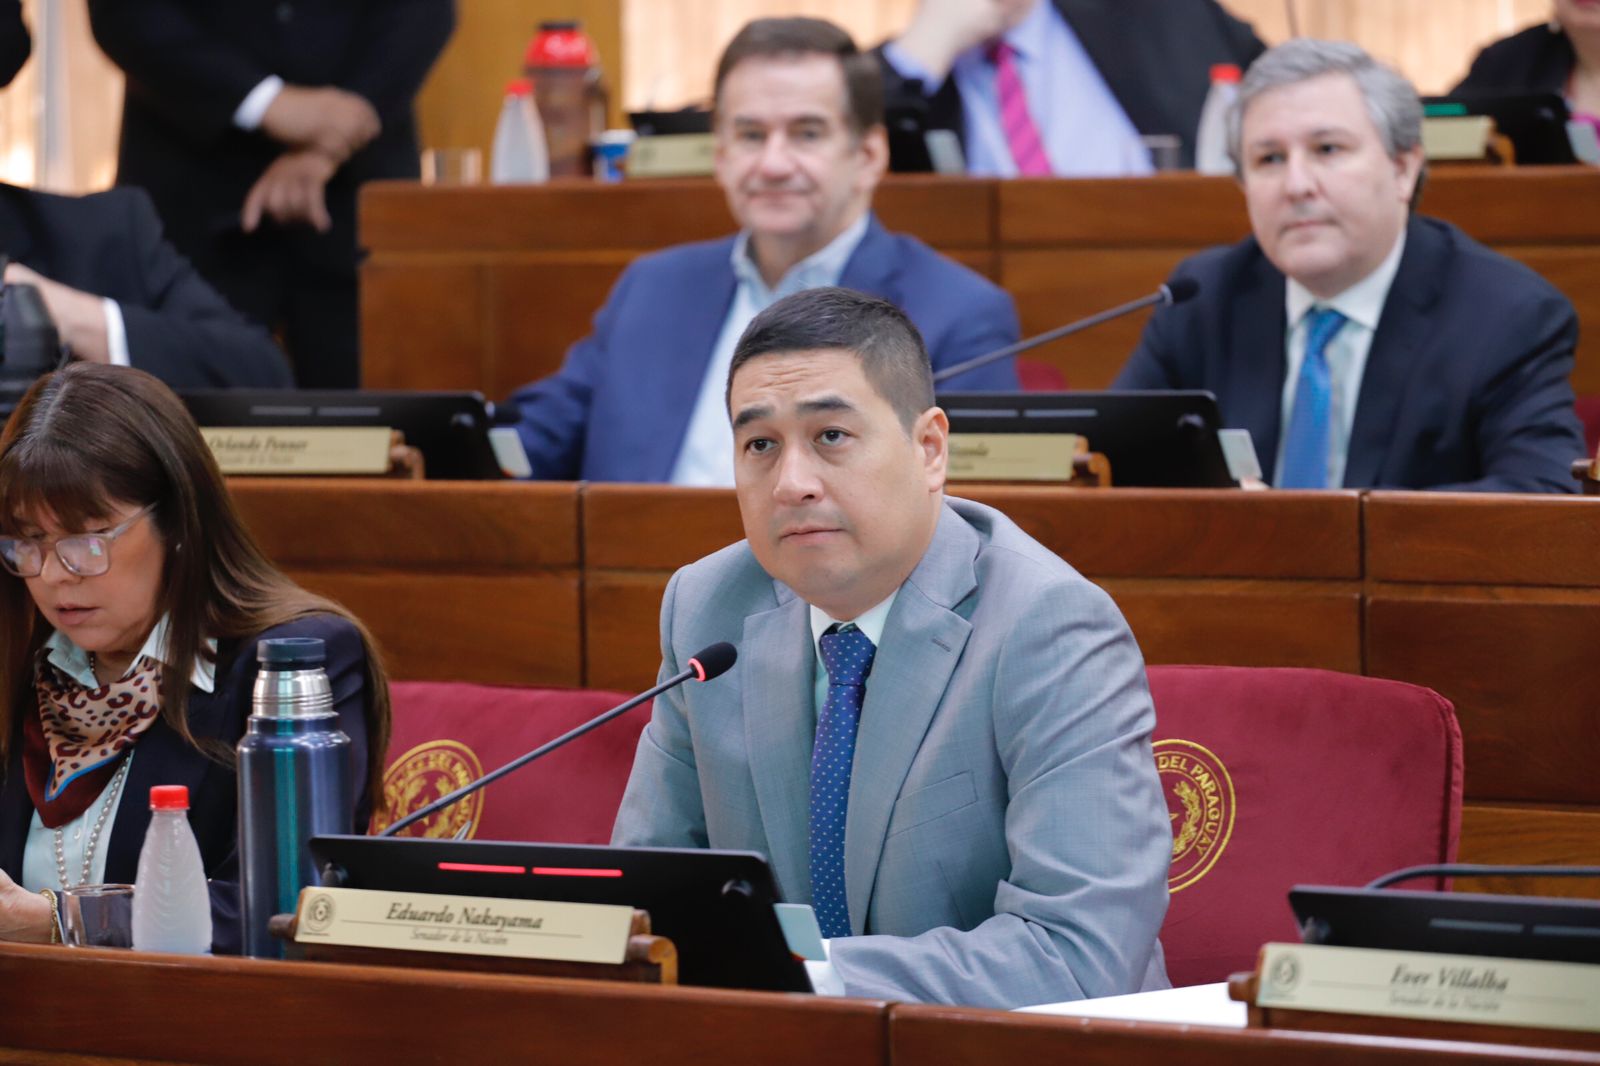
1414 984
1012 456
464 925
299 449
673 155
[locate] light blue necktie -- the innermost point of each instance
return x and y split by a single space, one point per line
1305 442
847 656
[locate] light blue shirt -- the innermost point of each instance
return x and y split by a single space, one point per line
1346 354
706 458
1085 131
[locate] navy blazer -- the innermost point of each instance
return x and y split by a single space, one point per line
190 63
1538 59
619 407
162 758
1155 56
1466 385
110 244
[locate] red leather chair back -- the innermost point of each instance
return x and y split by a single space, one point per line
447 733
1278 777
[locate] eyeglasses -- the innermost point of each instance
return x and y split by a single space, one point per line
84 554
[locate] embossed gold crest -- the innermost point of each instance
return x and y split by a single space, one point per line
1200 803
424 774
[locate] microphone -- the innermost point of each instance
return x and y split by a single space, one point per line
1174 291
709 662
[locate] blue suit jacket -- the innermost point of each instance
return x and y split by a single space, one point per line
161 757
1006 841
619 407
1466 385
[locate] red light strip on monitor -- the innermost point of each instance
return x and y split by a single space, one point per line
480 868
573 871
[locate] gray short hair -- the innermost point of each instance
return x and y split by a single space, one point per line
1392 101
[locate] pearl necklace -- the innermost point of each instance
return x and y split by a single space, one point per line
112 792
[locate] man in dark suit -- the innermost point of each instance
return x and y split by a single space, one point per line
1359 345
1094 75
15 43
800 149
119 293
252 123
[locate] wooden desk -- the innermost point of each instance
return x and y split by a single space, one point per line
66 1005
486 287
110 1008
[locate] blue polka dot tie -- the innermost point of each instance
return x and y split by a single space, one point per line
1305 443
847 656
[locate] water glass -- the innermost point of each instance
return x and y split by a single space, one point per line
97 916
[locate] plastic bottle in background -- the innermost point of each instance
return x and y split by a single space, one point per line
519 155
565 67
294 784
171 907
1211 144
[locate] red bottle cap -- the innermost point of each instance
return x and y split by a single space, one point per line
560 44
169 798
1227 72
519 87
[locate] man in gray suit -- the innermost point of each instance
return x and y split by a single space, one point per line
937 731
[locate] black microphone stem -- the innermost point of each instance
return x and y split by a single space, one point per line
1161 296
571 734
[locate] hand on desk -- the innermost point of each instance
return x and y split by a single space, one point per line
24 916
80 317
292 190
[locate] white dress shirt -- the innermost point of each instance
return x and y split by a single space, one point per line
706 458
1085 131
1362 305
38 851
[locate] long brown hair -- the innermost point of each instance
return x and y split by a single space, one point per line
89 437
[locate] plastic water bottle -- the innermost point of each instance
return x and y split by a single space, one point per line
171 907
294 774
1211 143
519 155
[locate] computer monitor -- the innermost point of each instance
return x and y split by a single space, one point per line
1157 439
451 429
715 906
1454 923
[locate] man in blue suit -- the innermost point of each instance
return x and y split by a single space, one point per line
937 731
800 149
1362 346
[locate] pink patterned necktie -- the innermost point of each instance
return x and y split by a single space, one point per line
1022 136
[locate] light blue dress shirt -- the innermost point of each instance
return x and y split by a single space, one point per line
1085 131
706 458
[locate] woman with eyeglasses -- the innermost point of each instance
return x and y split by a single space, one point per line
131 603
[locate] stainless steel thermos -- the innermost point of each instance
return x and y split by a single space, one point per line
294 783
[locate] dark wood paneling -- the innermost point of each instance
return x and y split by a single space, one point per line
428 324
1480 539
1188 533
1520 667
1161 211
655 527
1519 836
248 1012
622 624
452 526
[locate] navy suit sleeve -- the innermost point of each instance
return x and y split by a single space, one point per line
174 65
989 325
397 45
1528 434
1153 363
553 413
183 331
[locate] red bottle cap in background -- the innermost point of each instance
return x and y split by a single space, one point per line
560 44
1225 72
169 798
519 87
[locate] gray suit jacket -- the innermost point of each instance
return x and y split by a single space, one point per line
1007 842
